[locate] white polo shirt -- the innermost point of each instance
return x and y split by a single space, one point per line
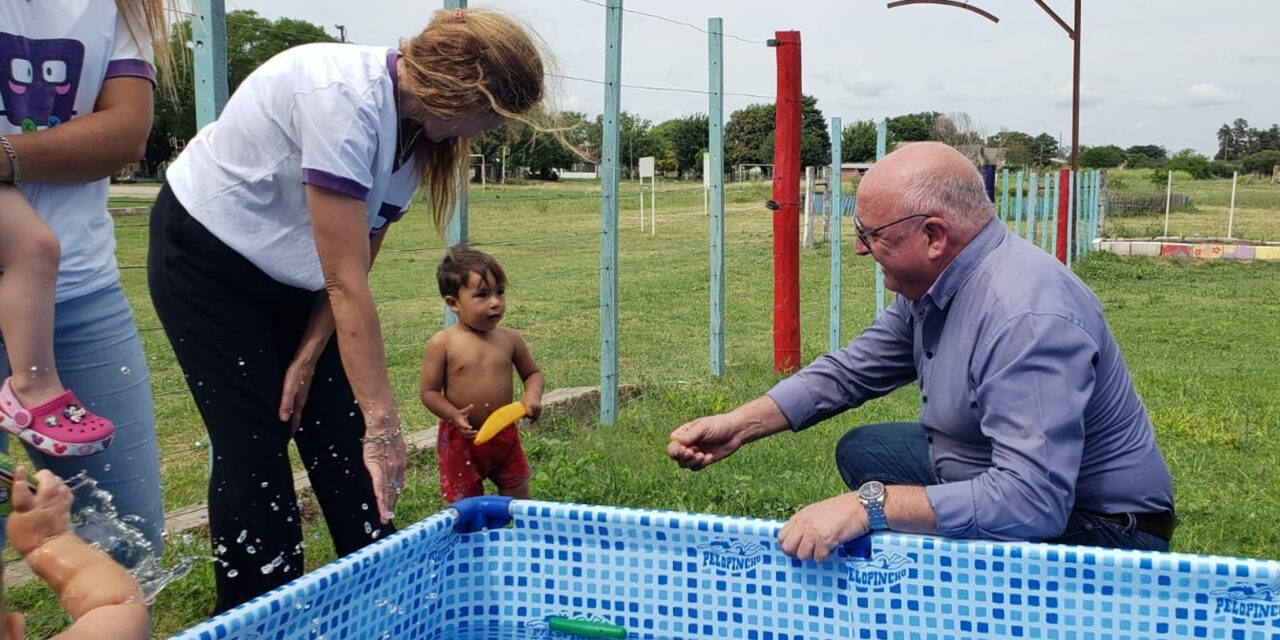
54 57
320 114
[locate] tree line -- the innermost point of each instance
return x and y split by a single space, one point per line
677 145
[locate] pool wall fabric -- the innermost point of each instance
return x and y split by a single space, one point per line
491 568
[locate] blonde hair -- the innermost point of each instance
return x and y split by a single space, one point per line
468 62
147 17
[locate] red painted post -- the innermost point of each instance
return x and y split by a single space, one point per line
786 217
1064 202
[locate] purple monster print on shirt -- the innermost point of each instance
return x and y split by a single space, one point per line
40 78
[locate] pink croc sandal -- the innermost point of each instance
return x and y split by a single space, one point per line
61 427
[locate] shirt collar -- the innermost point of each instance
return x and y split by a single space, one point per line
965 263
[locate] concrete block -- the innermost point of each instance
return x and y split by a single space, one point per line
1267 253
1144 248
1121 248
1229 250
1175 250
1206 251
1244 251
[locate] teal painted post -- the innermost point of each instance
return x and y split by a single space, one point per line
715 171
1032 191
209 40
882 137
609 171
1004 195
833 195
1053 206
1017 198
1071 216
1047 206
456 231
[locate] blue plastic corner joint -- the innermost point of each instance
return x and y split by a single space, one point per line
482 512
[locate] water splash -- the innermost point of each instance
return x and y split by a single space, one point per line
98 523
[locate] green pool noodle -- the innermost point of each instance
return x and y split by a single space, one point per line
586 628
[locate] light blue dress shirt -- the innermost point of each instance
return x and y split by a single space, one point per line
1028 406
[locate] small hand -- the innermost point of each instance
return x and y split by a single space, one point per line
464 425
41 516
816 530
532 408
703 441
293 396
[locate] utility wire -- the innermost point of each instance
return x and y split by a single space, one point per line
677 22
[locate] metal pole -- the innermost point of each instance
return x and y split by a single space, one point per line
1168 196
456 231
609 172
882 137
833 193
1231 213
715 173
209 35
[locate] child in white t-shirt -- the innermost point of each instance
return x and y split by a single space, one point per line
33 403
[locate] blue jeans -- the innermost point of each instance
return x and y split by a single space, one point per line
898 453
99 356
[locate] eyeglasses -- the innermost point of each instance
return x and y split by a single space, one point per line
866 236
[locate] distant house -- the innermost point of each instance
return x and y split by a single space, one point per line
854 170
980 154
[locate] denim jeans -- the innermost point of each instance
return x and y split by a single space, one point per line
99 356
898 453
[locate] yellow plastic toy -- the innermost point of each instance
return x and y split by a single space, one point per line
500 419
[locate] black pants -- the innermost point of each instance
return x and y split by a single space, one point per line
235 331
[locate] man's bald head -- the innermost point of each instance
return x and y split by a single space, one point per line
931 178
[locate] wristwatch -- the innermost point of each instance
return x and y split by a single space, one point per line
871 495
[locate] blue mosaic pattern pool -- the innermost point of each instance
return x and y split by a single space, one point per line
463 574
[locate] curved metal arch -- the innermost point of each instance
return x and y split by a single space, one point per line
949 3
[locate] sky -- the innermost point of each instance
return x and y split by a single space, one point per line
1164 72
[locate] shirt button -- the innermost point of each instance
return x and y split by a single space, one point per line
928 354
929 439
924 398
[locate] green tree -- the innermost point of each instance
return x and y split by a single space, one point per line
542 153
1104 157
1043 149
1192 162
913 127
1145 156
1017 146
749 135
687 139
251 40
1261 162
858 141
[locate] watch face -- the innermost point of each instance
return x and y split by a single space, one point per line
871 490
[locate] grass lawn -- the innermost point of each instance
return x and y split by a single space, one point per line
1257 207
1199 338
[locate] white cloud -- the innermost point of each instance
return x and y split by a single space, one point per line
1089 96
1206 93
868 86
1197 95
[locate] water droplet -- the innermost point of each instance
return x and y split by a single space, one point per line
126 370
251 549
391 515
265 485
240 361
34 371
244 535
276 507
186 537
106 467
368 528
232 573
221 549
364 506
377 533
